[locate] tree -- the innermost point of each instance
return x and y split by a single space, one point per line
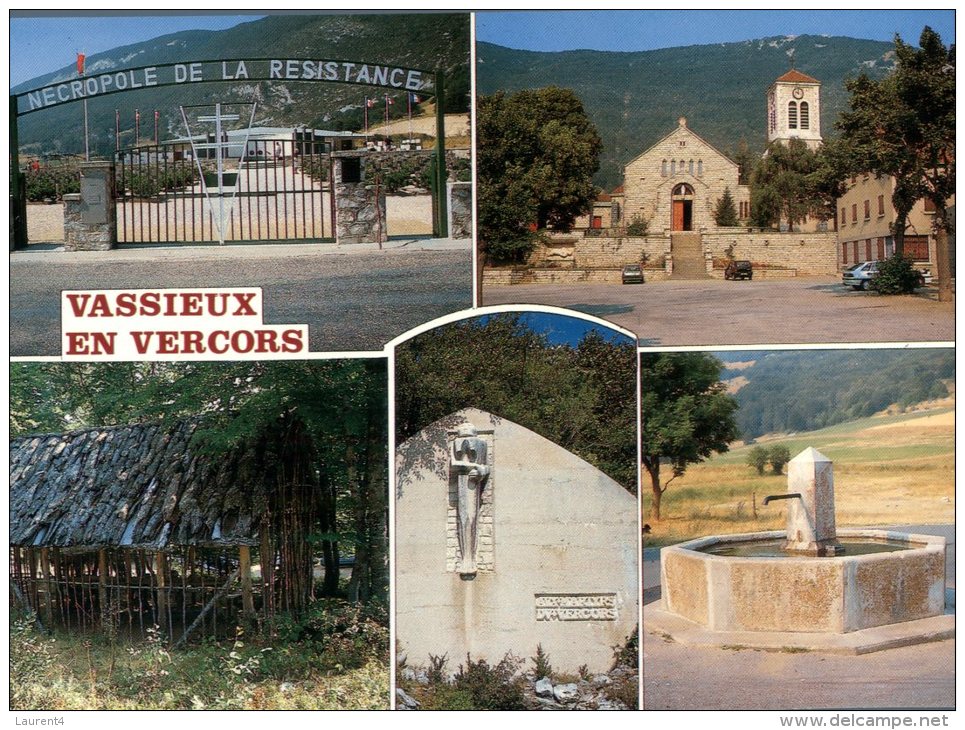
537 154
686 415
777 456
581 396
903 126
782 186
725 212
757 458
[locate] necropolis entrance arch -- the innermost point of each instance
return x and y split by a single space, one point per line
185 73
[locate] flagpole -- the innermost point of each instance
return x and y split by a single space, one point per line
365 108
409 97
137 127
156 115
386 130
80 72
117 130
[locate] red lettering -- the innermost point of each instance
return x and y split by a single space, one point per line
192 342
167 343
191 304
292 340
244 307
78 299
218 349
101 343
100 307
150 304
126 305
141 341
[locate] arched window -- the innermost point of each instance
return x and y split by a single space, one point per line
690 167
805 116
700 168
663 169
683 189
673 168
792 115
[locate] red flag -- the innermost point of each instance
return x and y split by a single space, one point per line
80 63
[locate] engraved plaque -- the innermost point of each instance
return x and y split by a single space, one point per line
576 607
93 200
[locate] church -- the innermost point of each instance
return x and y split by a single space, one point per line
675 185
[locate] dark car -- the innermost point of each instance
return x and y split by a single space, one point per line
739 270
633 274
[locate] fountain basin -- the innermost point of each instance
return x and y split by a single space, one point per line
836 594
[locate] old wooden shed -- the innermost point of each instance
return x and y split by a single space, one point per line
128 527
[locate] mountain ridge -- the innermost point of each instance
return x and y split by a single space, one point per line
636 97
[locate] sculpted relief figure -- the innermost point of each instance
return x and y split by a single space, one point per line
468 460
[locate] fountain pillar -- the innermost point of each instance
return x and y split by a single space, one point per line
810 519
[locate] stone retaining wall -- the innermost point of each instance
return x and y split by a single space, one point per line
803 253
599 259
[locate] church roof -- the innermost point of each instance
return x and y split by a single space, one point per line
681 124
796 77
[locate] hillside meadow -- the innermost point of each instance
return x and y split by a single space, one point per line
888 469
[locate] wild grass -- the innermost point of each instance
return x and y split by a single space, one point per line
343 668
887 470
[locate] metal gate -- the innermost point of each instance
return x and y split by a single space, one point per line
271 190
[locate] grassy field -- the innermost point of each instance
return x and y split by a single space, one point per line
894 469
318 664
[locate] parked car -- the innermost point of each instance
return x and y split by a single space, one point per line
633 274
739 270
858 275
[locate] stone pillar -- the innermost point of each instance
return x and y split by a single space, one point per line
460 210
359 202
90 217
810 519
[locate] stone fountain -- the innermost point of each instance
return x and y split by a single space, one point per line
812 581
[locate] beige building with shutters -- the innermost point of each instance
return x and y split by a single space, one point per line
865 218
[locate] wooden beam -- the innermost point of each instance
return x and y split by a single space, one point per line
244 568
194 624
102 584
161 561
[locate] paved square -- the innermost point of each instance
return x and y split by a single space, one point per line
717 312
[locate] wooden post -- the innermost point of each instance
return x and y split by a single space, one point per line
162 596
102 584
244 567
48 585
267 571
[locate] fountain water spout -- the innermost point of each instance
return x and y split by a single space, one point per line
810 519
774 497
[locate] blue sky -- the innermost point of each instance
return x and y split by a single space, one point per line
41 44
562 330
629 30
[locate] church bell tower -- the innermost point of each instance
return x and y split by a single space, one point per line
794 109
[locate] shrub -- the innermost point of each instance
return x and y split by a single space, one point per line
638 226
896 275
491 688
777 456
542 662
757 458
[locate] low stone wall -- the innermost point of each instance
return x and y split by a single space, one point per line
460 210
801 253
507 276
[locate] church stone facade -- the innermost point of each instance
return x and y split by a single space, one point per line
675 185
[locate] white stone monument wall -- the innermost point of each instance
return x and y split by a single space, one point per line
565 546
